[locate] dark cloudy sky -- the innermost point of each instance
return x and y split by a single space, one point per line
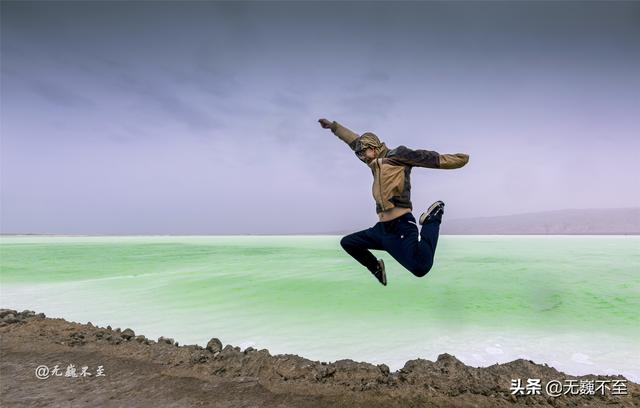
201 117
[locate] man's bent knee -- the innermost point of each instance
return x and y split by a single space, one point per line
346 242
420 270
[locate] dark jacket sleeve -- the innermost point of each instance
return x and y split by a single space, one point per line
427 158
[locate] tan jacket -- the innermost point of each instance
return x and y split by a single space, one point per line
392 168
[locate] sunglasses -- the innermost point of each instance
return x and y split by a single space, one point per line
361 153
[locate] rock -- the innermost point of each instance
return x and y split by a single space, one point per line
368 386
166 340
249 350
447 359
41 315
140 339
384 369
77 339
325 371
214 345
128 334
199 358
10 318
4 312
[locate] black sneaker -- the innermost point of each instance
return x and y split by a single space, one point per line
380 273
436 209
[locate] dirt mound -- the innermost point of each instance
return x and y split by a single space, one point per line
116 367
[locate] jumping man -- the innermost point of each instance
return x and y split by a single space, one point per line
397 232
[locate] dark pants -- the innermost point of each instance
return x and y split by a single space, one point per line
399 238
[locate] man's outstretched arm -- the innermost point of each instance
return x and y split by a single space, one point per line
428 158
345 134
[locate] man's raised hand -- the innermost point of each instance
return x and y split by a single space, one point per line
325 123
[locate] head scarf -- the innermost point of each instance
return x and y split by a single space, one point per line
371 140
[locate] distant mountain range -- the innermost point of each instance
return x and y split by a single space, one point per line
605 221
614 221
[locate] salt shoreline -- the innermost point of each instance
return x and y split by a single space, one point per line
191 375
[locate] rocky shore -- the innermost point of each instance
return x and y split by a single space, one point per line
82 365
